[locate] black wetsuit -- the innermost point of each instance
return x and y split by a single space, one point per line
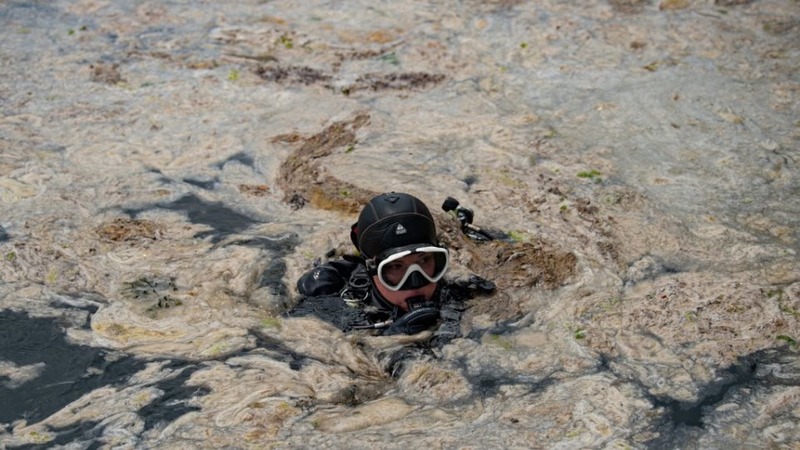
341 292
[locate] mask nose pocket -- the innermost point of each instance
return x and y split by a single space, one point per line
414 281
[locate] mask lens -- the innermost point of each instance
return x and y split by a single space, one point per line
429 262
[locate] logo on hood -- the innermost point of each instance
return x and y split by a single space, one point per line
400 230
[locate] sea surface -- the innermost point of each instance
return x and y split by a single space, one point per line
168 169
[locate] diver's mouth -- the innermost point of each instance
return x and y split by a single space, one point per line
414 293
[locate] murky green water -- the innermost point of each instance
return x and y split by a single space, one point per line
149 249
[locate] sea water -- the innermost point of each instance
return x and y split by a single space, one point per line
152 222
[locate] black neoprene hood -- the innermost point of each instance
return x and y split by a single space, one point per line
394 220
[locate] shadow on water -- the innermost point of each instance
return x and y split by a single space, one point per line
69 371
224 221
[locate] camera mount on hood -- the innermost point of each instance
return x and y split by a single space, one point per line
466 216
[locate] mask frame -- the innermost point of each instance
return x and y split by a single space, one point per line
441 261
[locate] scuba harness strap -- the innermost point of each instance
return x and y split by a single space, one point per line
421 314
356 291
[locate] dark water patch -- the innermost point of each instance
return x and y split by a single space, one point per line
83 435
691 414
163 179
670 270
207 185
282 245
604 363
278 351
77 311
176 399
240 157
487 383
357 394
396 360
224 221
272 277
69 371
783 368
87 432
86 302
682 419
3 234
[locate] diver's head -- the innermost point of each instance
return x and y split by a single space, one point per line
396 235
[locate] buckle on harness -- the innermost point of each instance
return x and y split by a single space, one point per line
352 298
357 289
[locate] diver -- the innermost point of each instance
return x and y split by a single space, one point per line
395 284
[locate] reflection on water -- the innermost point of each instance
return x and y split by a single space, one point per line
168 170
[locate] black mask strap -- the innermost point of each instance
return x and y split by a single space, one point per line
354 235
